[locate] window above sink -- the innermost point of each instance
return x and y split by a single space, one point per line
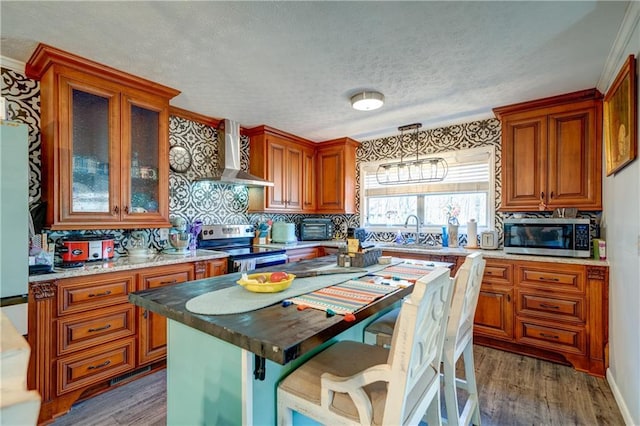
467 192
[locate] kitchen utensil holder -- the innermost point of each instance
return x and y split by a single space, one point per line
367 257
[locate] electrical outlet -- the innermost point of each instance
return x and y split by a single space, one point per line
164 234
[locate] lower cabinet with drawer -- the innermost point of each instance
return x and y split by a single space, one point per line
295 255
152 338
85 335
555 311
494 313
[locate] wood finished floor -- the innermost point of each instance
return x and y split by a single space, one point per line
514 390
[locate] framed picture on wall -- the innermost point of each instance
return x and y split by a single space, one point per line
621 119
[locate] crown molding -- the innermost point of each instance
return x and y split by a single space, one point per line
621 49
12 64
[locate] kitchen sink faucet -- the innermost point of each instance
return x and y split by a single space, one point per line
406 222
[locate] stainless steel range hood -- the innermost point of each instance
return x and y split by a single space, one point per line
229 159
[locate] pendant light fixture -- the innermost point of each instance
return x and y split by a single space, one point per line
418 170
367 101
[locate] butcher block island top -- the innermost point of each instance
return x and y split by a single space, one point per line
276 332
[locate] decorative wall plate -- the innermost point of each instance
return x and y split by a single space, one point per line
179 159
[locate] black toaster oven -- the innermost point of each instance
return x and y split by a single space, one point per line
316 229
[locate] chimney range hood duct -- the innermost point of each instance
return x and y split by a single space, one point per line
229 159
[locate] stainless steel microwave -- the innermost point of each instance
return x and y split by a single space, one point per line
548 237
316 229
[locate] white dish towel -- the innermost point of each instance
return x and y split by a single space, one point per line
244 265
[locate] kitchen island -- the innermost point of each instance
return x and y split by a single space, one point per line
224 369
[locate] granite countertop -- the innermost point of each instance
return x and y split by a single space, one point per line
447 251
305 244
123 263
494 254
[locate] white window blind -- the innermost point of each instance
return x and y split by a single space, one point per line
469 171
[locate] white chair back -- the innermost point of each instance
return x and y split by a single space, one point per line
468 280
416 348
459 341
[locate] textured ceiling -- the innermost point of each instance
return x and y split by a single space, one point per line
294 65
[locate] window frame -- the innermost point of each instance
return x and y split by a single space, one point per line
488 150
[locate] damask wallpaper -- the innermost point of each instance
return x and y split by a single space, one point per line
221 203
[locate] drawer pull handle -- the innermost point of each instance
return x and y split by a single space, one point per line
106 327
104 364
544 305
106 293
168 282
549 279
550 336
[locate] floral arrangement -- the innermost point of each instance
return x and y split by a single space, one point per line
452 210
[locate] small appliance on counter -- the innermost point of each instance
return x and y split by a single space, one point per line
316 229
179 237
489 240
137 245
74 250
282 232
569 237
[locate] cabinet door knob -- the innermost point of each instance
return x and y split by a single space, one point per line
126 209
542 195
551 195
116 209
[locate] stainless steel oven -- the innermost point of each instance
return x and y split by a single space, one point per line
549 237
236 240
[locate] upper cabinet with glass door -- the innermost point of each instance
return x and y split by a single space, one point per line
105 140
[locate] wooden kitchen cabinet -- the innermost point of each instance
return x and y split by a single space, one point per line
336 171
105 141
152 336
550 310
84 334
283 159
494 312
552 153
210 268
309 180
295 255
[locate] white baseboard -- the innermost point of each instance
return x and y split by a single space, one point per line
626 415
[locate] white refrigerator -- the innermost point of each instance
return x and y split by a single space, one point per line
14 222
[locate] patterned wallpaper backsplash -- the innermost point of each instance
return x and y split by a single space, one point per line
220 203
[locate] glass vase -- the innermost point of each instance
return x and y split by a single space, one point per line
453 235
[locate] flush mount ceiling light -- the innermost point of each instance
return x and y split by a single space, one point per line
367 101
418 170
